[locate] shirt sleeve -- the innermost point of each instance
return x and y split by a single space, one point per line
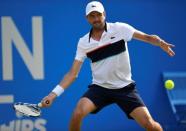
80 53
126 30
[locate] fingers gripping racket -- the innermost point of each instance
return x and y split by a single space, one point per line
28 109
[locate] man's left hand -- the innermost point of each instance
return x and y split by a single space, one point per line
167 48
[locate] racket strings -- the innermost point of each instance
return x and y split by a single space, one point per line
27 109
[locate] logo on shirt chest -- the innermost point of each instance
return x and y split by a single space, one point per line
112 37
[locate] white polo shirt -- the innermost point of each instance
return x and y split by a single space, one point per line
110 63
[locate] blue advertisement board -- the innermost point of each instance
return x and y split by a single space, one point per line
38 41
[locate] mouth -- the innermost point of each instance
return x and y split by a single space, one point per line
98 24
97 21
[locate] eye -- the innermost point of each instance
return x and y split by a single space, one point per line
91 16
99 14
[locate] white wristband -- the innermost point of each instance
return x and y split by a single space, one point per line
58 90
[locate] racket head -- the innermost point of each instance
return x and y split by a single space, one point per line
27 109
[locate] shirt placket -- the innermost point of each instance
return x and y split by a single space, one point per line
101 42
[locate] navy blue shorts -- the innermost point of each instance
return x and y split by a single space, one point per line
127 98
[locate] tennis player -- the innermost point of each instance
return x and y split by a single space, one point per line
106 46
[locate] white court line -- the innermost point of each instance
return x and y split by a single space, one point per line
5 99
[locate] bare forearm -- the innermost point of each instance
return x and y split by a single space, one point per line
67 80
154 40
64 83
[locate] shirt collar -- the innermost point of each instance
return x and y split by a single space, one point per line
90 33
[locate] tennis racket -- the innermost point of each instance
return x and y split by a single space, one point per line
28 109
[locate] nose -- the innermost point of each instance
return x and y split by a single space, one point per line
96 18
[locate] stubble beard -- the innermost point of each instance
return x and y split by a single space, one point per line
98 26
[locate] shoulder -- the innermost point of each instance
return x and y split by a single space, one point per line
83 40
122 25
118 25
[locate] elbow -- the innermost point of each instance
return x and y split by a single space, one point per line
151 37
73 76
154 39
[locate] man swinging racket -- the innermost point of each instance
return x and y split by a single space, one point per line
106 46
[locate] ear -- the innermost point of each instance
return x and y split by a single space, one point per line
104 13
86 17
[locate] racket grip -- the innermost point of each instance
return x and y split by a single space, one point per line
40 104
47 102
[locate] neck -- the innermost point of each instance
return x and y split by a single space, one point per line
96 33
95 30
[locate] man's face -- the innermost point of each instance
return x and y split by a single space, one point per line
96 19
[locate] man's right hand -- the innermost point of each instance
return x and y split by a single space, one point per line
48 100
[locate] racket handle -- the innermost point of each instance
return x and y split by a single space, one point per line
40 104
47 102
